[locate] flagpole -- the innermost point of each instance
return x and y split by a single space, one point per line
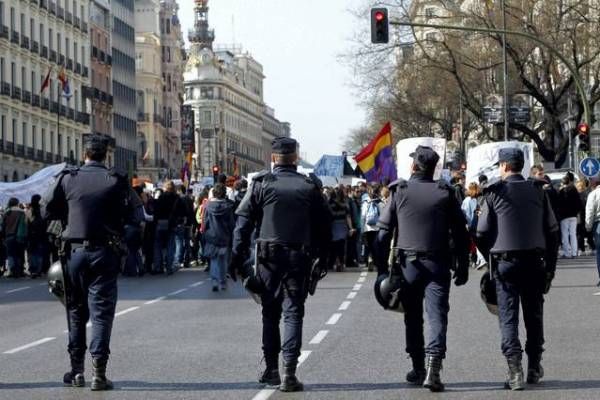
58 120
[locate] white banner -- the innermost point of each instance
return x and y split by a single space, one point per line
37 183
482 160
407 146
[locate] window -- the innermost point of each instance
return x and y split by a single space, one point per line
12 18
32 29
83 55
69 149
68 47
50 39
2 12
13 73
74 9
75 51
23 78
168 24
32 82
430 12
77 150
44 139
58 42
2 69
42 41
3 128
431 36
14 130
59 149
52 143
82 13
22 26
33 136
24 134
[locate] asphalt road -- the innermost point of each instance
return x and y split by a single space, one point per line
175 339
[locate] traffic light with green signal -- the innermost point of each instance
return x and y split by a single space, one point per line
380 26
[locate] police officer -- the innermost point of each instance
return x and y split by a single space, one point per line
426 216
518 229
93 202
292 225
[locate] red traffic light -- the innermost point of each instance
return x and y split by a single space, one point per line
379 16
216 169
583 129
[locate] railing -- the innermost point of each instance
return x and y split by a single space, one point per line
46 104
29 152
102 56
85 72
44 4
63 110
5 88
110 99
4 32
48 157
84 27
39 155
71 114
58 158
78 68
35 47
94 52
35 100
83 118
14 37
96 93
61 60
70 64
52 55
61 13
143 117
53 107
44 52
108 59
76 22
9 147
26 97
25 42
20 150
16 92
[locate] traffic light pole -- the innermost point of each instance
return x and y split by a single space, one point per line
576 77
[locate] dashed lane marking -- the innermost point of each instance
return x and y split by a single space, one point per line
361 279
351 295
364 273
175 293
597 294
30 345
303 356
196 284
128 310
356 287
334 319
18 289
344 306
156 300
318 337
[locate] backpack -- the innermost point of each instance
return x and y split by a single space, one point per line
372 213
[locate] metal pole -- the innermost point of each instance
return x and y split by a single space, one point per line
569 105
505 72
576 77
58 119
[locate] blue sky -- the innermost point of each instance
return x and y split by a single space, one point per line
297 42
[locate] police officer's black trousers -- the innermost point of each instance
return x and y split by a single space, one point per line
284 277
427 280
92 279
521 280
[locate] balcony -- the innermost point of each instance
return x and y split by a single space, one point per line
5 89
83 118
158 119
69 17
9 148
35 47
52 55
60 13
96 93
54 107
94 52
103 97
71 114
20 150
143 117
44 52
4 32
48 157
39 155
14 37
15 93
45 104
84 27
35 100
85 72
61 60
29 152
70 64
63 110
44 4
26 97
108 59
102 56
76 22
52 7
25 42
78 68
110 99
34 2
58 158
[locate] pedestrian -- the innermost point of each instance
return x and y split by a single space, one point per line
370 212
592 219
95 203
341 229
286 243
218 232
164 237
183 216
570 206
517 227
352 245
240 189
582 234
132 238
470 207
14 231
148 238
37 238
458 182
426 216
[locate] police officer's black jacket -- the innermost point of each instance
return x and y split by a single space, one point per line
92 201
426 215
517 216
285 207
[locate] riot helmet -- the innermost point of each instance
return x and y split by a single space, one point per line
56 281
488 293
388 292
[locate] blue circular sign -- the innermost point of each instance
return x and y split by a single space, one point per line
589 167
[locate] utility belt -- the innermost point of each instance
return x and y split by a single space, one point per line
86 244
114 243
267 250
402 256
516 254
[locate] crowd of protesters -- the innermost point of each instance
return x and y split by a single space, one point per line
182 230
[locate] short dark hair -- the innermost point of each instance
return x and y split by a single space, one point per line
514 166
13 202
35 199
219 191
427 170
96 154
285 159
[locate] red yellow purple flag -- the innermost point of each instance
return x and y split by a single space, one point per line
376 161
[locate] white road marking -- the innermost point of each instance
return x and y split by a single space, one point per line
597 294
318 337
361 279
18 289
334 319
196 284
357 287
352 295
364 273
30 345
175 293
156 300
130 309
266 393
344 306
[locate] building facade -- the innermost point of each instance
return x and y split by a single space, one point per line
40 38
224 87
123 83
101 68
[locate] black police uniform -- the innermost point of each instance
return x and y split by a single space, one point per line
93 203
517 227
292 221
426 215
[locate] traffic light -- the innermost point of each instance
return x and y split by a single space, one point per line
380 25
215 170
583 137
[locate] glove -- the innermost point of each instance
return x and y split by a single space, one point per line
461 276
235 265
548 283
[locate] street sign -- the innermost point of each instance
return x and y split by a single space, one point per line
493 111
519 114
589 167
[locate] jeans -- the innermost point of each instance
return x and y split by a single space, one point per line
92 276
521 280
164 249
15 255
36 255
596 233
218 269
182 245
568 229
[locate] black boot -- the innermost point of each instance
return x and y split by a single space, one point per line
99 380
417 375
270 377
515 379
433 381
75 376
535 371
290 382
